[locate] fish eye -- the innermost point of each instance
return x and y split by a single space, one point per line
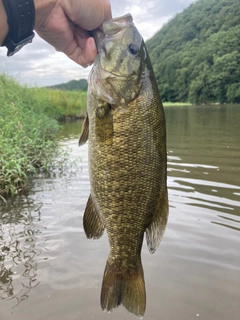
133 48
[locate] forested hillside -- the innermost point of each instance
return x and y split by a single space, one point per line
196 56
73 85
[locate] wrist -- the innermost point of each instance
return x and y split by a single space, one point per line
3 23
20 20
42 11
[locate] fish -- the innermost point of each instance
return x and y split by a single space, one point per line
126 133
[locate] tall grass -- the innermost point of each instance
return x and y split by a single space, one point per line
60 104
28 128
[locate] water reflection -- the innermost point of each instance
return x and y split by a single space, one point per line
43 247
19 230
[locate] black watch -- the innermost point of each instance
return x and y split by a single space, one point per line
21 19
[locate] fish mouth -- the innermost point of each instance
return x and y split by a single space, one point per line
99 77
115 25
124 18
99 83
109 28
103 74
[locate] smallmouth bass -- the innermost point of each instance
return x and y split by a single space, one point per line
125 126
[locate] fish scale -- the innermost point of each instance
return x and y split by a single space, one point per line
127 161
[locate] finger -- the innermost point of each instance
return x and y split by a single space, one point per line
89 14
83 56
87 44
90 51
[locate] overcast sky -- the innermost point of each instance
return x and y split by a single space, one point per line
39 64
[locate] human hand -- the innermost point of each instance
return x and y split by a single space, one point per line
65 25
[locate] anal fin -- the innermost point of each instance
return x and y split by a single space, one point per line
157 226
92 222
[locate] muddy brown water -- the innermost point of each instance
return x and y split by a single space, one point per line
49 270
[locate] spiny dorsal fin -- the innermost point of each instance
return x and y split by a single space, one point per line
92 222
84 134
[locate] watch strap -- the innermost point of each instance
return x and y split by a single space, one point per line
21 19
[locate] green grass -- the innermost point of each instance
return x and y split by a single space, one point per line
28 128
60 104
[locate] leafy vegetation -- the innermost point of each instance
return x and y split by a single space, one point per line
73 85
28 130
196 56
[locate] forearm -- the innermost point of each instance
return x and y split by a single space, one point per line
3 23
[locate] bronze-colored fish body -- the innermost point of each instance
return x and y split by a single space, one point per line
125 126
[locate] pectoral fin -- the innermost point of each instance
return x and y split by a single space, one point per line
104 123
92 222
156 228
84 134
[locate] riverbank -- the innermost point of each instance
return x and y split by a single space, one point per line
177 104
28 128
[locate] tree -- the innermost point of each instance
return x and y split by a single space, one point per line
196 56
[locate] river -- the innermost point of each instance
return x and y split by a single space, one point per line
49 270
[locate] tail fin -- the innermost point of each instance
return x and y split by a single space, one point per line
127 289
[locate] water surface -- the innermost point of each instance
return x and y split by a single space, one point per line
49 270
